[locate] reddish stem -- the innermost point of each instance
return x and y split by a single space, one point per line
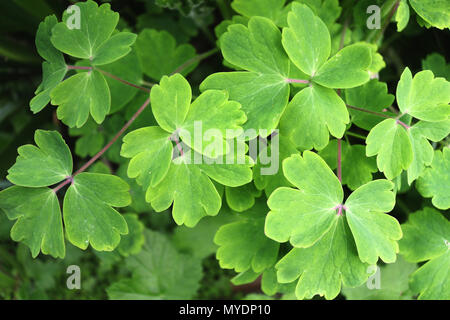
289 80
339 160
380 115
177 142
78 68
106 73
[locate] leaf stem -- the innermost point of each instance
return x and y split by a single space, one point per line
290 80
388 20
356 135
195 59
106 73
380 115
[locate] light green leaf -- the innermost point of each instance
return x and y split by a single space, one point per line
437 64
402 15
422 149
271 9
326 265
306 40
96 27
39 223
305 215
435 12
375 233
241 198
426 237
346 69
243 244
116 47
390 142
311 114
423 97
43 165
88 213
81 94
150 151
160 56
435 181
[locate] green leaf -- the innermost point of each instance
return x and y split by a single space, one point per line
88 213
423 97
263 92
326 265
271 9
390 142
372 96
43 165
181 186
346 69
402 15
39 223
158 272
393 284
159 54
357 169
306 40
435 12
242 198
53 69
426 237
422 149
375 233
132 242
435 181
150 151
437 64
311 114
312 207
171 100
92 40
79 95
243 244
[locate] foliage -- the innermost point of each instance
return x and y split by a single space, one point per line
120 181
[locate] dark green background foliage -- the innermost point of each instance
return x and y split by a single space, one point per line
159 258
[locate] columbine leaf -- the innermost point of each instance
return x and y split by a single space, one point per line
171 100
53 69
39 223
426 237
390 142
422 149
306 40
243 245
375 233
346 69
435 12
326 265
263 92
271 9
150 151
312 207
88 213
435 181
159 55
311 114
241 198
43 165
402 15
92 40
81 94
437 64
357 169
132 242
423 97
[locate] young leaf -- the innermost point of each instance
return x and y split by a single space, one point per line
435 12
88 213
402 15
81 94
306 40
423 97
323 267
311 114
243 245
426 235
39 223
392 145
43 165
375 233
435 181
